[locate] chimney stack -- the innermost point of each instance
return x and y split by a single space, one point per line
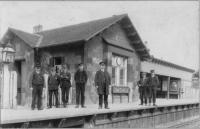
37 28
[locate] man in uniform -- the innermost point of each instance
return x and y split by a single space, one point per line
102 82
80 78
65 84
53 83
153 83
37 86
142 84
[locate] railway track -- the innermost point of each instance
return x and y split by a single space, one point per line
195 123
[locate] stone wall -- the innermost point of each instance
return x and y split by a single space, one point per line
73 55
120 44
25 55
93 55
101 47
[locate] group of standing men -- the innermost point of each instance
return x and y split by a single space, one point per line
148 88
54 81
102 82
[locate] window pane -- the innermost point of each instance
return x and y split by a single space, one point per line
113 75
114 61
119 70
121 76
58 60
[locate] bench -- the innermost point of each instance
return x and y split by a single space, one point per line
120 91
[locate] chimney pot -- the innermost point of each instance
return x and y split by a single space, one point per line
37 28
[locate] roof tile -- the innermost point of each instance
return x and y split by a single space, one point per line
78 32
29 38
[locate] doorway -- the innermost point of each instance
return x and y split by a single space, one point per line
18 66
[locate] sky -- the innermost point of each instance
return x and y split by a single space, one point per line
171 28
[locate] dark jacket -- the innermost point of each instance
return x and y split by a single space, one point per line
65 79
142 82
53 82
143 87
80 76
153 82
102 80
37 79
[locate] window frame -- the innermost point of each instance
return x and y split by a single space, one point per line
118 69
52 62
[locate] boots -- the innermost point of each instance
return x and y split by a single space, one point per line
100 107
106 106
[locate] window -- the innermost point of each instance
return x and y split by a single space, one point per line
122 77
113 75
56 62
119 70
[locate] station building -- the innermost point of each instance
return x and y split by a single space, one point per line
175 80
114 40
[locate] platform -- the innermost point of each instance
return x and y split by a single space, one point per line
25 115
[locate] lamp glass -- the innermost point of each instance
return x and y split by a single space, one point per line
8 54
1 56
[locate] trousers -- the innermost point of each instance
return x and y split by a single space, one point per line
37 96
55 92
80 92
105 100
105 96
65 94
154 92
143 96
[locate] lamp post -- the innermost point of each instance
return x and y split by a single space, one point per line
1 72
7 57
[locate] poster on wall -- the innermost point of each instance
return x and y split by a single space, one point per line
173 86
164 86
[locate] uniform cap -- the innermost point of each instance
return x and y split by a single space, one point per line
80 64
102 63
144 73
152 71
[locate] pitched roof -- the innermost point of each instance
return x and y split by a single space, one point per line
78 32
166 63
31 39
87 30
83 32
